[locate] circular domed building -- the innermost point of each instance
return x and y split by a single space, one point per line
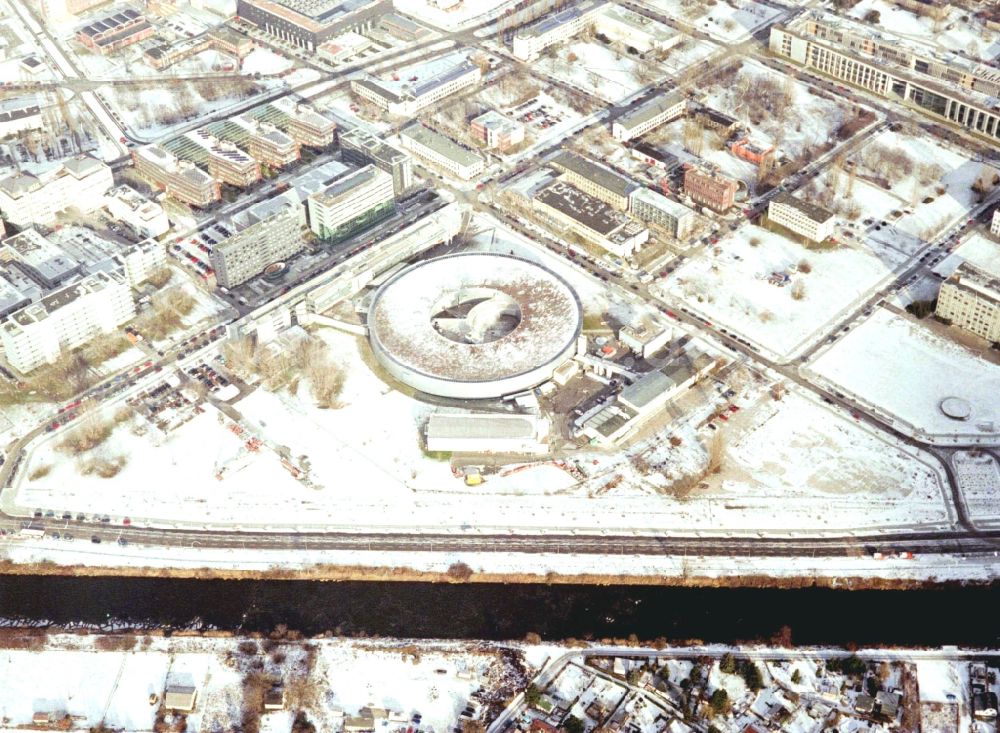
474 325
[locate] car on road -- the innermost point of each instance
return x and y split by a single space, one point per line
95 539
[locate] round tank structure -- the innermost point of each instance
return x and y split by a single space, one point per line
474 325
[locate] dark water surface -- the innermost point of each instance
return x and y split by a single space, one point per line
965 616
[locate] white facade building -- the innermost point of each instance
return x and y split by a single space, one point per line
632 29
407 99
649 116
970 299
529 42
442 151
801 217
352 203
995 225
655 208
80 182
69 317
147 218
475 432
143 260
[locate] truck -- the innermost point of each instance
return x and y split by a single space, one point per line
36 532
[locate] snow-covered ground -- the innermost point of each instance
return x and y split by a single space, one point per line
904 370
597 69
730 22
977 249
733 289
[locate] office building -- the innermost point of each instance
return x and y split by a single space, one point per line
633 30
309 23
995 224
115 31
223 39
19 114
408 98
344 47
69 317
590 218
43 262
494 130
657 210
648 116
181 179
80 183
265 142
12 298
710 189
970 299
595 179
808 220
306 126
946 100
361 148
146 218
142 261
529 42
351 204
442 151
273 239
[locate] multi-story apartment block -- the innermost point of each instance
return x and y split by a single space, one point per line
360 148
594 179
970 299
181 179
41 261
69 317
660 109
246 254
592 219
306 126
143 260
308 23
966 108
710 189
801 217
80 182
146 218
352 203
407 99
115 31
656 209
442 151
529 42
496 131
995 223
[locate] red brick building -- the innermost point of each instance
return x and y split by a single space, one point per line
712 190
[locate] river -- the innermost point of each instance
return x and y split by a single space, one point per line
949 615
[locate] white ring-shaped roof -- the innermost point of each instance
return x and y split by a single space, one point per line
457 288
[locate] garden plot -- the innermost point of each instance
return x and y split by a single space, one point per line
781 110
918 185
597 69
958 32
914 369
729 22
755 283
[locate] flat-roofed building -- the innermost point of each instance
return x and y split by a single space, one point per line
649 115
309 23
265 142
307 126
621 25
402 27
442 151
344 47
66 318
590 218
80 183
225 161
248 252
645 339
146 218
595 179
37 258
407 98
19 114
230 41
180 697
360 147
143 260
477 432
656 209
495 130
970 299
115 31
351 204
181 179
995 224
801 217
713 190
529 42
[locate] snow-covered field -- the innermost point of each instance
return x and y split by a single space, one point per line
904 369
729 22
732 288
597 69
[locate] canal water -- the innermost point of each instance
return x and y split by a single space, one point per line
949 615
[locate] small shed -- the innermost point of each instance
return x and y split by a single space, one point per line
180 698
